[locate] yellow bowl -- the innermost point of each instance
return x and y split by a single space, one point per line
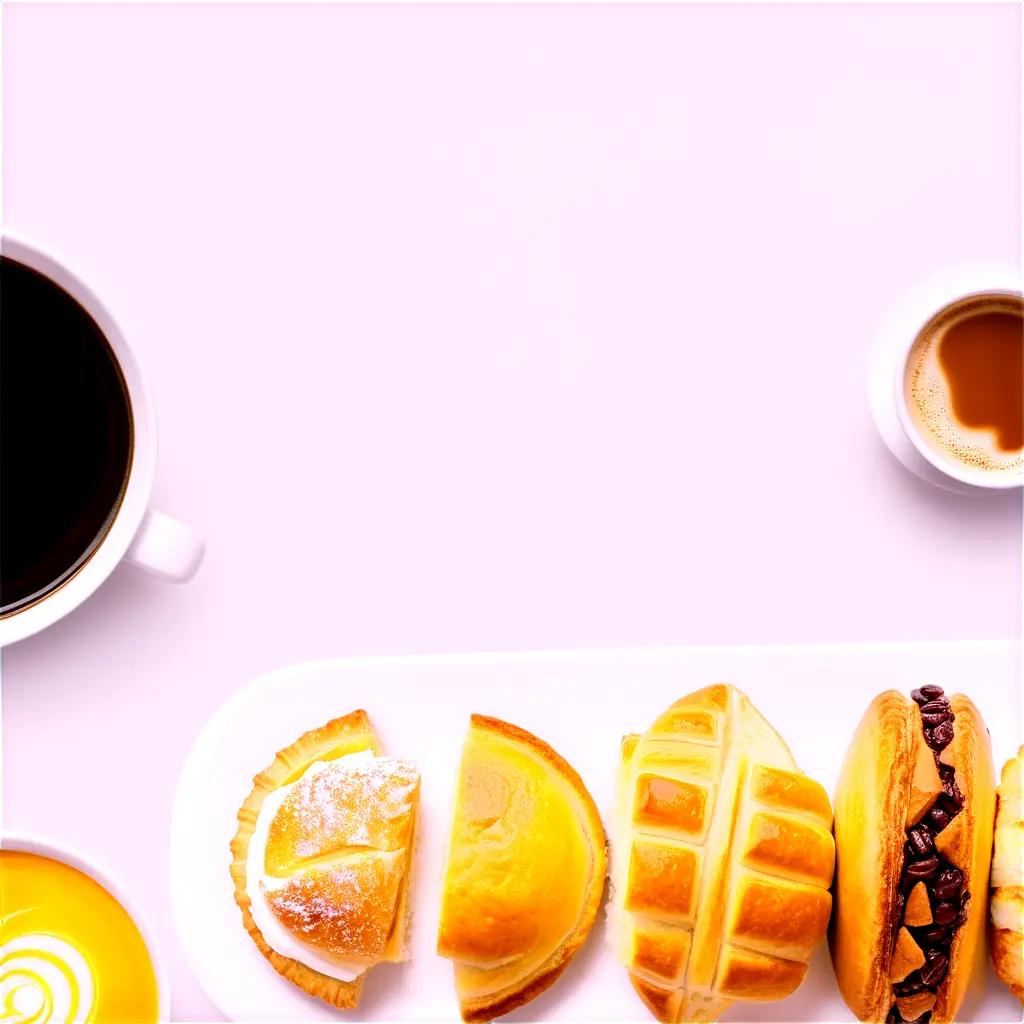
85 928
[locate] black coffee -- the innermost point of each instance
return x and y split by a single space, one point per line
65 436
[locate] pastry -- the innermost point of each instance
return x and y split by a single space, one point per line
723 860
525 873
1007 925
914 809
322 857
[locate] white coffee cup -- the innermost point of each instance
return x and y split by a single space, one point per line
138 534
28 843
893 342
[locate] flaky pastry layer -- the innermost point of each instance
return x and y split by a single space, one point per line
333 874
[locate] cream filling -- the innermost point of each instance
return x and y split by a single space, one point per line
1007 913
258 883
1008 858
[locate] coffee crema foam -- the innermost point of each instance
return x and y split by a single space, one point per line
930 391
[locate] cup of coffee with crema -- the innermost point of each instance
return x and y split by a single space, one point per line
947 379
77 450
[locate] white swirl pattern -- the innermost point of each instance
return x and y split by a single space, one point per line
44 980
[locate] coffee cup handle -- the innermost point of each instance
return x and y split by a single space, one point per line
166 548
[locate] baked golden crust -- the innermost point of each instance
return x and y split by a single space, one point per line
527 844
368 893
724 859
870 810
324 814
879 791
362 895
1006 927
971 755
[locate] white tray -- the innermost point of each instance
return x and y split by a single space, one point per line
581 703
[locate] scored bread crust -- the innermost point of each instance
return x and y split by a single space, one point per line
350 733
871 803
1006 926
497 1004
724 858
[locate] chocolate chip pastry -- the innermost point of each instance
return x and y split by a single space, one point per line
913 828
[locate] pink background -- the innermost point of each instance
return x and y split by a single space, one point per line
493 328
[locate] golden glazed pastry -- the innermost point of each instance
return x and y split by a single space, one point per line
526 869
723 860
1007 909
914 810
322 858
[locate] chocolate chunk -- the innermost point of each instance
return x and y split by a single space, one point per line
951 803
920 841
910 985
948 884
935 969
943 881
918 869
953 799
962 916
952 793
933 935
940 736
948 805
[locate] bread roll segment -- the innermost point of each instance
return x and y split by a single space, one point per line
525 873
871 803
1007 910
338 853
723 860
880 791
971 754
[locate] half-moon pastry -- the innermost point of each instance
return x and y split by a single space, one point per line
322 858
723 857
526 870
1007 909
915 805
